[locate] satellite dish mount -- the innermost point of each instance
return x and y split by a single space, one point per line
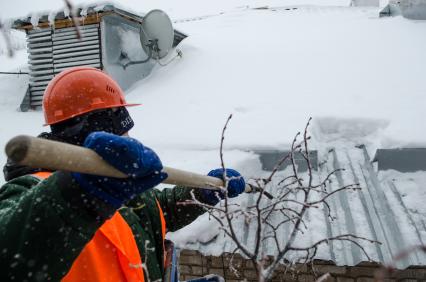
156 36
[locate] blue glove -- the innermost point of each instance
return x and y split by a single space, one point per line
235 187
128 155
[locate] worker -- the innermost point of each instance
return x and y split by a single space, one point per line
67 226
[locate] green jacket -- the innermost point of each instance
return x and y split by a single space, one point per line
44 225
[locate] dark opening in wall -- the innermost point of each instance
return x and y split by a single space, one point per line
269 158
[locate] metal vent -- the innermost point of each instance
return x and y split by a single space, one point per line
401 159
52 51
41 63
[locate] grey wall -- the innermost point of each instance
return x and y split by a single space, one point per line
357 3
413 9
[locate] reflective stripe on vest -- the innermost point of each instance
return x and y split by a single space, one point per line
112 254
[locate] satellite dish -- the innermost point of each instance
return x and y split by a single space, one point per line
157 34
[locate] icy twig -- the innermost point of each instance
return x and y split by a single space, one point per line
222 139
288 208
7 40
327 178
323 278
347 187
231 263
70 7
345 237
306 154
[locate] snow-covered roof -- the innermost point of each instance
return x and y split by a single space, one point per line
87 13
389 208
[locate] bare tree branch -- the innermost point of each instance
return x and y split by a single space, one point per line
76 23
222 139
323 278
306 155
287 209
327 178
7 40
347 187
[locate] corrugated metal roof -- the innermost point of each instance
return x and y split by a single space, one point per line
377 211
382 210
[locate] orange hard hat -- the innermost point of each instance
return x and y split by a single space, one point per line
79 90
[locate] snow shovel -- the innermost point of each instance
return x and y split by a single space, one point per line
53 155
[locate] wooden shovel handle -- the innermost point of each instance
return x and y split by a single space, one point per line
53 155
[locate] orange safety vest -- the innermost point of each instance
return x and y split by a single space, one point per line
112 254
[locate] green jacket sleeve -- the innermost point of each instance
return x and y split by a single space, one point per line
44 226
176 214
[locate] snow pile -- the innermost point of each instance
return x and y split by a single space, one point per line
275 68
130 44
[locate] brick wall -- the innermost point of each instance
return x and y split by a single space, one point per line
193 265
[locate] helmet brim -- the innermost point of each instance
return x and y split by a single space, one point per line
85 112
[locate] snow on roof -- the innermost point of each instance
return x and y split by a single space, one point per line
96 10
274 68
389 208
